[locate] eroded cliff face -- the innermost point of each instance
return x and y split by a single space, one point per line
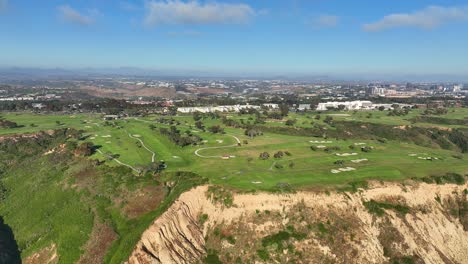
421 222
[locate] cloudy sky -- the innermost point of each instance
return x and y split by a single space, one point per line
258 36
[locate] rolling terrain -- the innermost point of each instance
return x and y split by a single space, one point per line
380 186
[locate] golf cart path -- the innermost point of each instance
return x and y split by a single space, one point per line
153 155
219 157
119 162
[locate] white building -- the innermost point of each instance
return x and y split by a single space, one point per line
212 109
353 105
271 106
303 107
357 105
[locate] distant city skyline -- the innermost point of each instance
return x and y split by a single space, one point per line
240 37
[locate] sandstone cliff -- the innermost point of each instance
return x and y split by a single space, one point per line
424 223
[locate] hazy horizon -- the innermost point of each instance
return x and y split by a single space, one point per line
358 39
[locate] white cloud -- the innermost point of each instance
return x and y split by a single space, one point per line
194 12
3 5
71 15
427 18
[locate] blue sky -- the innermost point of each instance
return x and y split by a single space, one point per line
242 36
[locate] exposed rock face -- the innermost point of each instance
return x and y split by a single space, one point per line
432 231
174 238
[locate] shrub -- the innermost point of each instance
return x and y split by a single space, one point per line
264 156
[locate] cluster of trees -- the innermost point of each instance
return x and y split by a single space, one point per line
168 121
440 120
8 124
291 122
253 132
280 154
197 116
216 129
435 111
180 139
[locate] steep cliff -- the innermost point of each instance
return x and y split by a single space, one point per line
422 223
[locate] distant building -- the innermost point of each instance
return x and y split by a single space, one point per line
303 107
111 117
457 88
212 109
38 106
271 106
378 91
354 105
357 105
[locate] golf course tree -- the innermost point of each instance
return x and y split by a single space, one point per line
278 155
7 124
155 167
85 149
284 109
216 129
180 139
252 132
199 125
264 156
366 149
290 122
197 116
328 120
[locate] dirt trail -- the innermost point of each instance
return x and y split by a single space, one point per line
428 232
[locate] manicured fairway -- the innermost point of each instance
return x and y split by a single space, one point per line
387 161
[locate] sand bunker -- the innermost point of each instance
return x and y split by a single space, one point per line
343 170
346 154
359 144
359 160
87 127
92 138
219 141
107 136
428 158
321 142
176 157
137 136
257 182
339 115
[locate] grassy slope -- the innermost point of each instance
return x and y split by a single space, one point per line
388 161
40 210
61 215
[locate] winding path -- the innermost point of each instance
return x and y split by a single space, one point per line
119 162
153 155
218 157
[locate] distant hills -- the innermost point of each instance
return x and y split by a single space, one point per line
13 73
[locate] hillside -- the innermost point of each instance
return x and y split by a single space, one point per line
397 223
